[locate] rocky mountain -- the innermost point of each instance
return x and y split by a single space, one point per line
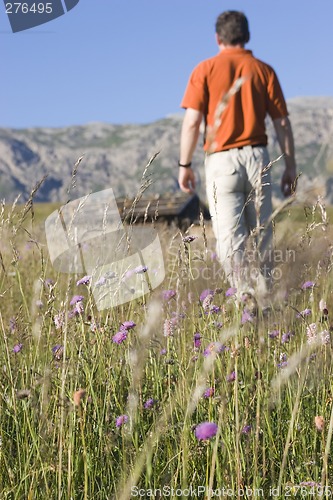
116 155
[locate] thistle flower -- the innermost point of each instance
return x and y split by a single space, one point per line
149 403
286 337
168 295
305 312
84 281
17 348
75 299
205 294
120 336
127 325
246 317
205 430
214 347
209 392
197 340
273 334
121 420
308 284
231 377
231 291
58 352
101 281
141 269
213 309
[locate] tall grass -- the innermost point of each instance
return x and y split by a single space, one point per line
263 380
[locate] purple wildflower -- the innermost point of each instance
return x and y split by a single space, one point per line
231 377
120 336
58 351
75 299
231 291
39 303
49 282
17 348
76 311
205 294
308 284
149 403
127 325
286 337
311 484
84 281
246 429
213 309
273 334
218 324
197 340
214 347
209 392
163 352
121 420
189 239
306 312
283 364
205 430
246 316
101 281
168 294
141 269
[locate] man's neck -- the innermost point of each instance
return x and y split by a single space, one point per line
226 47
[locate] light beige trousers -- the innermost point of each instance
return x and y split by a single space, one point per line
239 194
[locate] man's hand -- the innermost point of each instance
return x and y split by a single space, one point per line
288 181
186 180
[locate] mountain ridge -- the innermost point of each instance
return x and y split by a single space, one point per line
115 155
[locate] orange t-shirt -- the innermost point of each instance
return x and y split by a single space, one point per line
243 119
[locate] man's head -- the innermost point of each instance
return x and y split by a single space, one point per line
232 28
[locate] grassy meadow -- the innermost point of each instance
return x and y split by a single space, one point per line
103 405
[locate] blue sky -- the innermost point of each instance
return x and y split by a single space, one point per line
128 61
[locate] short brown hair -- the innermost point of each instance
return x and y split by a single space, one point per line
232 28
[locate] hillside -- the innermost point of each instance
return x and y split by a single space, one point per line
115 155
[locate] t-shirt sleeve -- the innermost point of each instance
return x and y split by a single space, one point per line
196 93
277 107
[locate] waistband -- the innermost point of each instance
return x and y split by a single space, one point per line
248 145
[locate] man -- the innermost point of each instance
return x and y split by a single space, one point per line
233 92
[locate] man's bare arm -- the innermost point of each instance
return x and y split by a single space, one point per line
188 141
286 142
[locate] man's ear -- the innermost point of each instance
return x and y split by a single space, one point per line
218 41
